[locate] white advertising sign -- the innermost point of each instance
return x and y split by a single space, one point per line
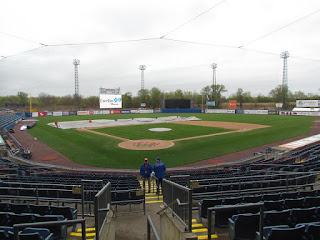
110 101
307 103
57 114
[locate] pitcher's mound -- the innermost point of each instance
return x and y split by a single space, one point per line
145 144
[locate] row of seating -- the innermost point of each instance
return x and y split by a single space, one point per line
127 197
310 231
7 119
58 231
246 226
271 201
6 233
68 212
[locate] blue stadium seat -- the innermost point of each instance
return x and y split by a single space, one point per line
243 226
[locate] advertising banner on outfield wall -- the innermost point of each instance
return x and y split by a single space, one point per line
135 111
57 114
308 103
65 113
125 111
35 114
284 113
105 111
42 114
73 113
146 111
115 111
231 111
110 101
82 112
272 112
315 114
256 112
98 112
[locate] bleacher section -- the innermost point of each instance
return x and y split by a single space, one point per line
7 119
285 183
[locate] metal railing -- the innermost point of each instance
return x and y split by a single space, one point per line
182 196
89 188
16 227
150 226
253 205
102 201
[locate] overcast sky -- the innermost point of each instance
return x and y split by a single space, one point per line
177 40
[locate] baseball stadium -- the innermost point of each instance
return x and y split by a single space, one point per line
210 139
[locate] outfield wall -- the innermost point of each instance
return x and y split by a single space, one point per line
173 111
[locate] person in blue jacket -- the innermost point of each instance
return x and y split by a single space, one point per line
145 172
159 168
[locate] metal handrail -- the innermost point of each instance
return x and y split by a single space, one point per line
150 226
16 227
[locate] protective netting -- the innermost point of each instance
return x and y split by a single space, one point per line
119 122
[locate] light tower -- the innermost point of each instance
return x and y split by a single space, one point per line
214 80
285 56
76 62
142 68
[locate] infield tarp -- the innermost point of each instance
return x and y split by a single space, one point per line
120 122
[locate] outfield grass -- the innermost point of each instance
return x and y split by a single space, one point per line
100 151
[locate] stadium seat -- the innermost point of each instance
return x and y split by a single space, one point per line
304 215
207 203
294 203
59 231
271 197
274 205
20 208
282 232
274 218
312 201
312 230
220 218
243 226
34 234
40 209
289 195
252 199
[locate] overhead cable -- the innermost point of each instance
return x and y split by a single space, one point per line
193 19
103 42
278 29
30 50
21 38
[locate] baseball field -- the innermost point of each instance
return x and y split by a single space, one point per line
186 142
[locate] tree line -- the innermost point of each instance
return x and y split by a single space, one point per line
153 97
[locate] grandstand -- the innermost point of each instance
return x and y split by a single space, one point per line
272 195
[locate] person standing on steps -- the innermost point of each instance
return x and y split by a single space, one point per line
145 172
159 168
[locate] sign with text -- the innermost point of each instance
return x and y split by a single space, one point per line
307 103
110 101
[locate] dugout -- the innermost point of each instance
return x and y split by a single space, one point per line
177 104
